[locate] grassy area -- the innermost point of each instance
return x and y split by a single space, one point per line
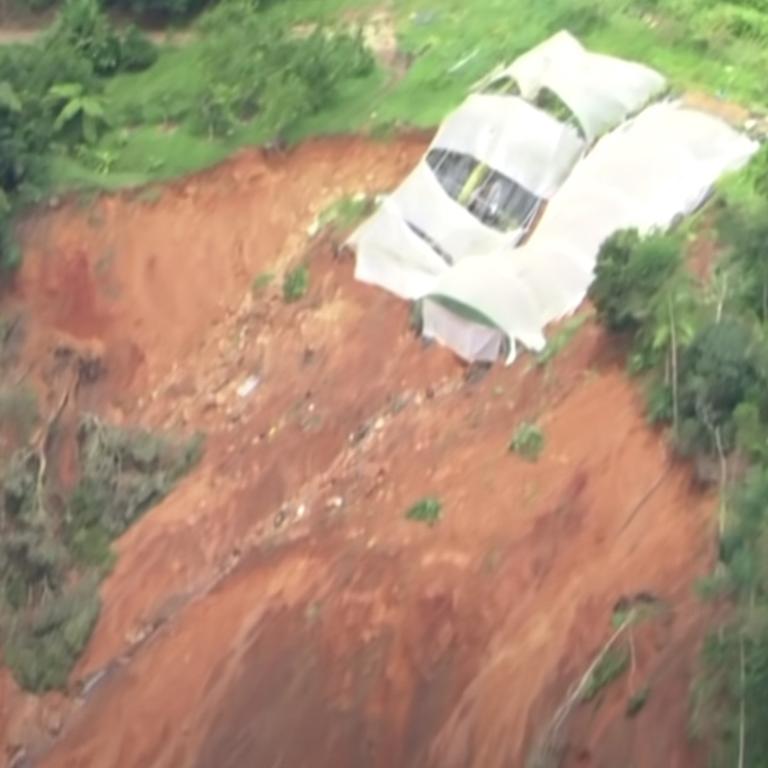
452 44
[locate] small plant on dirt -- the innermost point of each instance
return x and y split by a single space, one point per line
637 701
561 339
295 284
528 441
261 282
611 666
346 212
427 510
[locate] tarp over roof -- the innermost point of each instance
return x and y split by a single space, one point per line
514 137
658 166
503 132
601 91
421 231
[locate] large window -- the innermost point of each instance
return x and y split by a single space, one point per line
493 198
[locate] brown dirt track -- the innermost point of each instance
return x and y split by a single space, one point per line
277 609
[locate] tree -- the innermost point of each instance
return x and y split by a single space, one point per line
277 77
758 171
630 271
669 329
744 231
84 25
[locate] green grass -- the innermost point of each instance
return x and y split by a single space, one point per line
453 44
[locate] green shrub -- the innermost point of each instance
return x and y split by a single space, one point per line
160 10
277 78
428 510
528 441
44 551
295 284
123 473
726 21
744 233
757 170
637 701
91 547
137 51
717 373
630 271
84 26
81 117
41 647
261 282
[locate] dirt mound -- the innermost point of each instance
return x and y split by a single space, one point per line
278 603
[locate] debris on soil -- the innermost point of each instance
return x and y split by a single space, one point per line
419 641
249 386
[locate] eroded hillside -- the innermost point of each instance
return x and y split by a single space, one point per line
278 608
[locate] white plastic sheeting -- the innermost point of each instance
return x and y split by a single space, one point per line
422 202
644 175
470 340
510 136
504 133
601 91
391 255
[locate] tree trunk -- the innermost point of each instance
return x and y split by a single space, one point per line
673 337
721 300
723 479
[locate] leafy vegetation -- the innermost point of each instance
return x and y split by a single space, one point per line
42 646
198 102
261 282
428 510
560 339
630 270
54 550
295 284
703 353
91 105
528 441
50 100
637 701
611 666
346 212
94 106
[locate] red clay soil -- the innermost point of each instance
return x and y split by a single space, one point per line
277 609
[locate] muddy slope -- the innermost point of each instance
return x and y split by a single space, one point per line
278 609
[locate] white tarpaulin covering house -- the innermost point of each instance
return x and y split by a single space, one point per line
644 175
435 220
601 91
420 230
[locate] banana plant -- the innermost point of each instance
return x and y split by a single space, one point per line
78 111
